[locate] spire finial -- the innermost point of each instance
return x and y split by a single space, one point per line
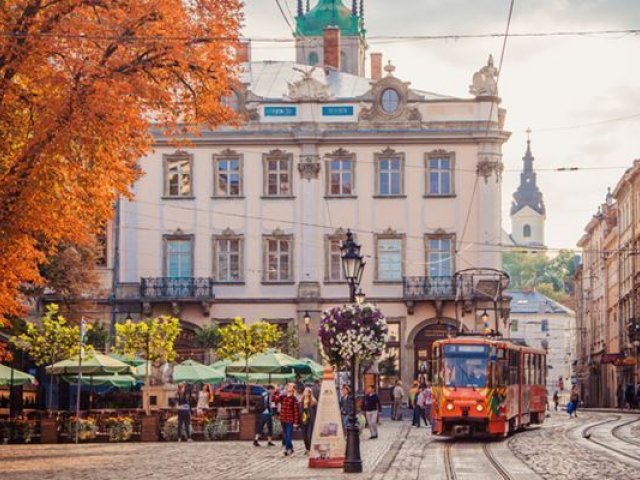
528 130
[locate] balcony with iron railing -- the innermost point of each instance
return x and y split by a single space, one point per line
429 288
184 288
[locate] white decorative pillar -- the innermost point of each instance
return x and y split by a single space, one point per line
489 171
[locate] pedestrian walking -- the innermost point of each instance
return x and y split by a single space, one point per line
428 403
574 400
265 407
289 417
418 407
346 405
184 411
372 408
398 397
309 405
556 400
413 393
629 395
204 397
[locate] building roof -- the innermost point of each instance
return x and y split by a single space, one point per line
329 13
525 301
270 80
528 194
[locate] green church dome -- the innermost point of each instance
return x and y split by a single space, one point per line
327 13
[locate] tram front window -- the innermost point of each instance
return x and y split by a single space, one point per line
465 365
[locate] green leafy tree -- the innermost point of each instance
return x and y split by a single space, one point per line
152 339
288 342
98 336
551 276
53 341
208 337
240 340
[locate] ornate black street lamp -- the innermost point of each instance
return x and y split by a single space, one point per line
353 267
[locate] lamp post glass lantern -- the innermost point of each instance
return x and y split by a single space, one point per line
353 268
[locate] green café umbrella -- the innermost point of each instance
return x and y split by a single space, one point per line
93 364
317 370
192 372
220 365
263 378
270 362
115 380
133 361
19 378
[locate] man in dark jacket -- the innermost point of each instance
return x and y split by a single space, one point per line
372 409
265 417
289 417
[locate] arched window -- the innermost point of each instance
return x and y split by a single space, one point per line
313 58
526 231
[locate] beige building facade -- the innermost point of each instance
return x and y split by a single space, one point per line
248 221
607 286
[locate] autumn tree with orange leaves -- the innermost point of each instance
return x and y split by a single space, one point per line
81 82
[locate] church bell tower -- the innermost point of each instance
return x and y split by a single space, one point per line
310 27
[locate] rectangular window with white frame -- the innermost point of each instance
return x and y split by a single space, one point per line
440 174
278 174
440 255
178 256
228 258
389 173
389 256
278 258
227 175
333 264
178 176
340 167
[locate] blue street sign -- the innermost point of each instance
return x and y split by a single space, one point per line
337 111
280 111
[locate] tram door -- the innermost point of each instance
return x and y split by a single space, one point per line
424 363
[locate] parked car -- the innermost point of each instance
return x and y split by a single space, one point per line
233 394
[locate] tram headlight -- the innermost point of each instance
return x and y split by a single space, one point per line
479 407
450 406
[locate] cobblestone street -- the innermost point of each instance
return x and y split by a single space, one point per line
556 450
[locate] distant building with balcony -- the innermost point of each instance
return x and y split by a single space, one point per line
248 221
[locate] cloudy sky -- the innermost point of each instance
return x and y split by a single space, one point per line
579 95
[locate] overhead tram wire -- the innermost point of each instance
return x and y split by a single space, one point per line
371 38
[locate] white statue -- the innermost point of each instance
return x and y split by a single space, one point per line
485 81
308 88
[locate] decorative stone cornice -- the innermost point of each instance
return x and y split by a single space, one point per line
486 168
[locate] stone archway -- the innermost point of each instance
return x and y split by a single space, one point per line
420 341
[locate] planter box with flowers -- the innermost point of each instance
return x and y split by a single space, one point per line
120 429
352 331
86 428
215 429
17 430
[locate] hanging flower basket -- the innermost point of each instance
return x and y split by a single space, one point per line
358 331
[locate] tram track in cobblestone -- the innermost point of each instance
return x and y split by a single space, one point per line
449 468
586 433
616 432
486 448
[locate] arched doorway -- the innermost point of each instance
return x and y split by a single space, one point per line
422 343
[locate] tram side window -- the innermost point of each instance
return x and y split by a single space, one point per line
502 368
529 368
514 357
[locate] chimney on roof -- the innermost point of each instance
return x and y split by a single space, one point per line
376 66
332 47
243 51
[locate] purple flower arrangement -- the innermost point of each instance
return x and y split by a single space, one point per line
349 331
